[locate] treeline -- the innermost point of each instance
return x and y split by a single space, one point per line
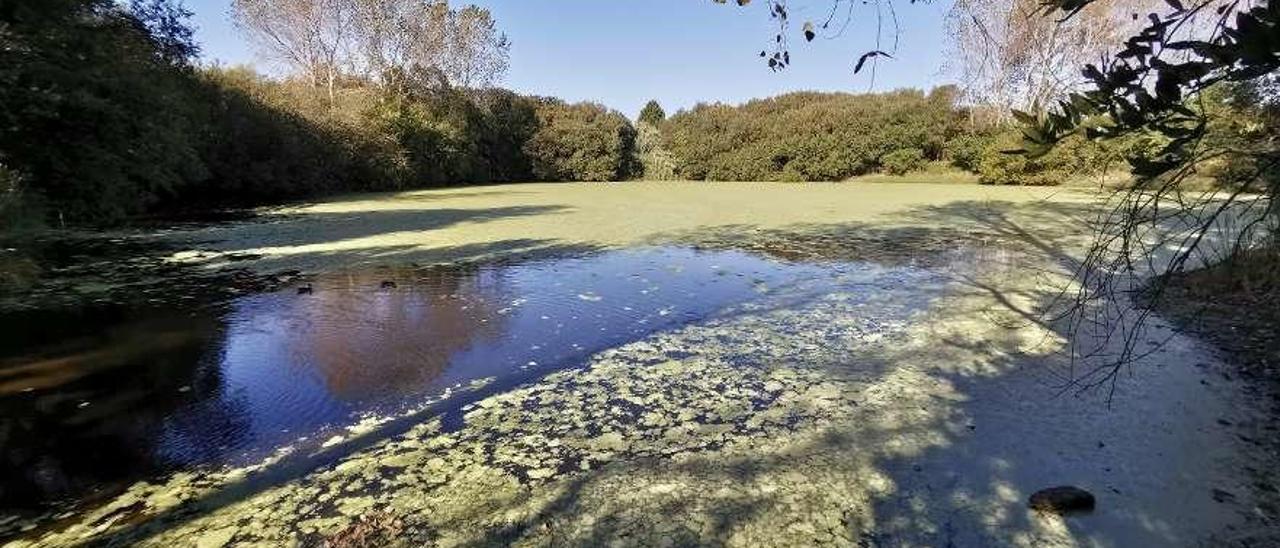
834 136
811 136
274 140
104 117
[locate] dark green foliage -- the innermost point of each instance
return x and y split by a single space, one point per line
903 161
1073 158
15 211
652 114
272 141
103 118
510 120
91 110
809 136
965 149
258 150
581 142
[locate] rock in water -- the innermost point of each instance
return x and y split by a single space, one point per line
1062 500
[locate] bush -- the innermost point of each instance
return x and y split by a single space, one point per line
809 136
903 161
16 212
508 121
105 118
264 142
965 150
1073 157
580 142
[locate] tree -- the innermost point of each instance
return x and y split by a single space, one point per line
580 142
477 54
1162 83
1008 56
421 44
809 136
312 36
165 24
94 119
652 114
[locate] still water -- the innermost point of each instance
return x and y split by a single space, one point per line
91 401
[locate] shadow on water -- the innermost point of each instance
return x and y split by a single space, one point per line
328 227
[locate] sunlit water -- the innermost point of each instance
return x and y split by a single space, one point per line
91 402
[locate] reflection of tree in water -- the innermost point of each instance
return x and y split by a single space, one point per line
84 413
92 402
372 342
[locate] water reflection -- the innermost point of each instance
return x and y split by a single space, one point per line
103 398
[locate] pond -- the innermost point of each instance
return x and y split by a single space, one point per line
93 400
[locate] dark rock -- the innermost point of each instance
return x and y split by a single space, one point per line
388 284
1062 500
305 290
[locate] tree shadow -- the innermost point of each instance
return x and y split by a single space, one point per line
323 240
311 228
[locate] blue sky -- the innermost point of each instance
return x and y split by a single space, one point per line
624 52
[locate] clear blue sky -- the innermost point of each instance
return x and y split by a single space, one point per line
624 52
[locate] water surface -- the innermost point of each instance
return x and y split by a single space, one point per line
92 400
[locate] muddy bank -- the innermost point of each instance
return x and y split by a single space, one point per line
1235 305
1236 308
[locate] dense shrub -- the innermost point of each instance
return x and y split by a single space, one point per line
14 209
372 140
580 142
260 146
903 161
1073 158
1243 120
508 121
809 136
93 109
965 150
